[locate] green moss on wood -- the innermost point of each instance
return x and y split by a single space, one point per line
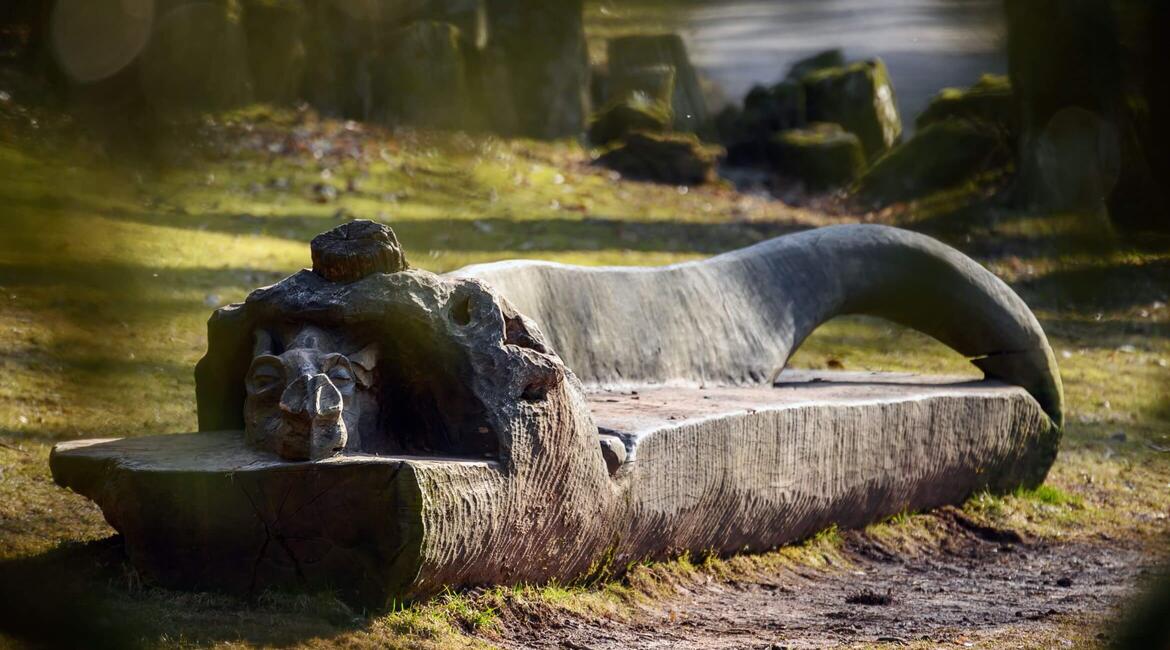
860 98
833 58
674 158
623 117
989 100
821 156
942 155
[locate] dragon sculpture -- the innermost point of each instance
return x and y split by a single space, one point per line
386 431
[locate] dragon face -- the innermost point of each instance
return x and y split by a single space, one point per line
461 375
308 402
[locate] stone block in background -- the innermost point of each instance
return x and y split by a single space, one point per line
822 157
423 78
492 106
671 158
541 45
767 109
621 118
833 58
628 53
470 16
860 98
196 59
1094 106
944 154
989 101
276 50
338 44
653 82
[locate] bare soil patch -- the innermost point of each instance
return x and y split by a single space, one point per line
977 585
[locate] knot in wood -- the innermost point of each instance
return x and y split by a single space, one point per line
356 249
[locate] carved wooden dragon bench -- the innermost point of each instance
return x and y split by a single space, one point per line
384 431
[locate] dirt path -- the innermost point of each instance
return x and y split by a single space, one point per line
978 587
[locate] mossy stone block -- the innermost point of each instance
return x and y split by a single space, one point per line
774 108
822 156
425 76
628 53
989 100
276 51
942 155
672 158
766 110
542 53
621 118
860 98
833 58
652 82
1107 58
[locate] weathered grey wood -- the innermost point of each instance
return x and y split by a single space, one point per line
204 511
737 317
727 469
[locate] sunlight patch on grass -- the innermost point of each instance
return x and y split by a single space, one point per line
863 343
1049 495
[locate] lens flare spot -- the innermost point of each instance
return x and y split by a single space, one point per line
94 39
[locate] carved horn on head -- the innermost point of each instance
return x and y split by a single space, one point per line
364 361
738 317
261 342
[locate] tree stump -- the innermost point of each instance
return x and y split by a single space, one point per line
356 249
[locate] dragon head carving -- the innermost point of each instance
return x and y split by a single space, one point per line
310 400
364 355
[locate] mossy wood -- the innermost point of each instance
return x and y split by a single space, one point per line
629 56
860 98
822 156
672 158
622 117
944 154
526 421
988 101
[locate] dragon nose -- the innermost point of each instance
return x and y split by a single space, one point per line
312 397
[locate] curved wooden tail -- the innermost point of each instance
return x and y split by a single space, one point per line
736 318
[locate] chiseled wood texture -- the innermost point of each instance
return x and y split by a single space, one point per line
737 317
205 511
750 468
728 469
756 468
717 458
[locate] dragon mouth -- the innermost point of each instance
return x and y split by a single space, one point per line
311 440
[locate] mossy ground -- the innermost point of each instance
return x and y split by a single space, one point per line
108 271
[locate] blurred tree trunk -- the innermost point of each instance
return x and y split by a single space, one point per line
524 67
1092 105
24 40
276 48
542 46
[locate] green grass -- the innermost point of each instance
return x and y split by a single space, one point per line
108 272
1050 495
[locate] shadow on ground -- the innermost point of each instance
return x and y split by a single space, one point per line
57 599
87 595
